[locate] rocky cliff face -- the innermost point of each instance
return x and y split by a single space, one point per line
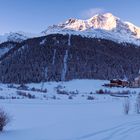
59 57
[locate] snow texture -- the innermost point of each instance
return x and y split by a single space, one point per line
64 119
105 26
17 36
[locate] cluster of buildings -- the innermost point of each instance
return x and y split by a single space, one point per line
123 83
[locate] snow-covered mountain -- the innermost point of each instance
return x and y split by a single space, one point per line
16 36
105 26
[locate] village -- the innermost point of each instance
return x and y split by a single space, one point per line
124 83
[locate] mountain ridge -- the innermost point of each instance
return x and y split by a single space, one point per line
106 26
16 36
64 54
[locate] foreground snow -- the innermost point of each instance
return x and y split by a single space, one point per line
65 119
53 120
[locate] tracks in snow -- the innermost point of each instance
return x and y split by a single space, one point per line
119 132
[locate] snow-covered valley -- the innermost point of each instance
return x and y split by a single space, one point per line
53 116
69 70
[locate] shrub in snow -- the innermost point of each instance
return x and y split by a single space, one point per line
60 90
4 119
103 91
100 91
70 97
63 92
21 93
30 96
27 95
11 86
74 92
59 87
54 97
39 90
33 89
91 92
44 90
137 105
90 98
125 92
133 92
126 106
22 87
2 97
13 97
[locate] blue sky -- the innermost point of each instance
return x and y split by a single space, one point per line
36 15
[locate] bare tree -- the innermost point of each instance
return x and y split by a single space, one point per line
137 105
4 119
126 106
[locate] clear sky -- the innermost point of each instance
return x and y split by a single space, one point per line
36 15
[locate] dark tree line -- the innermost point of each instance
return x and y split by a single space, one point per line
33 61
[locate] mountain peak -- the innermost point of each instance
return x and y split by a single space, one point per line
18 36
104 25
109 15
105 21
70 20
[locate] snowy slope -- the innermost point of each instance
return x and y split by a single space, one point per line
5 49
46 118
16 36
34 120
105 26
75 119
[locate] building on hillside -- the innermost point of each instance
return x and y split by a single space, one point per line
136 82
